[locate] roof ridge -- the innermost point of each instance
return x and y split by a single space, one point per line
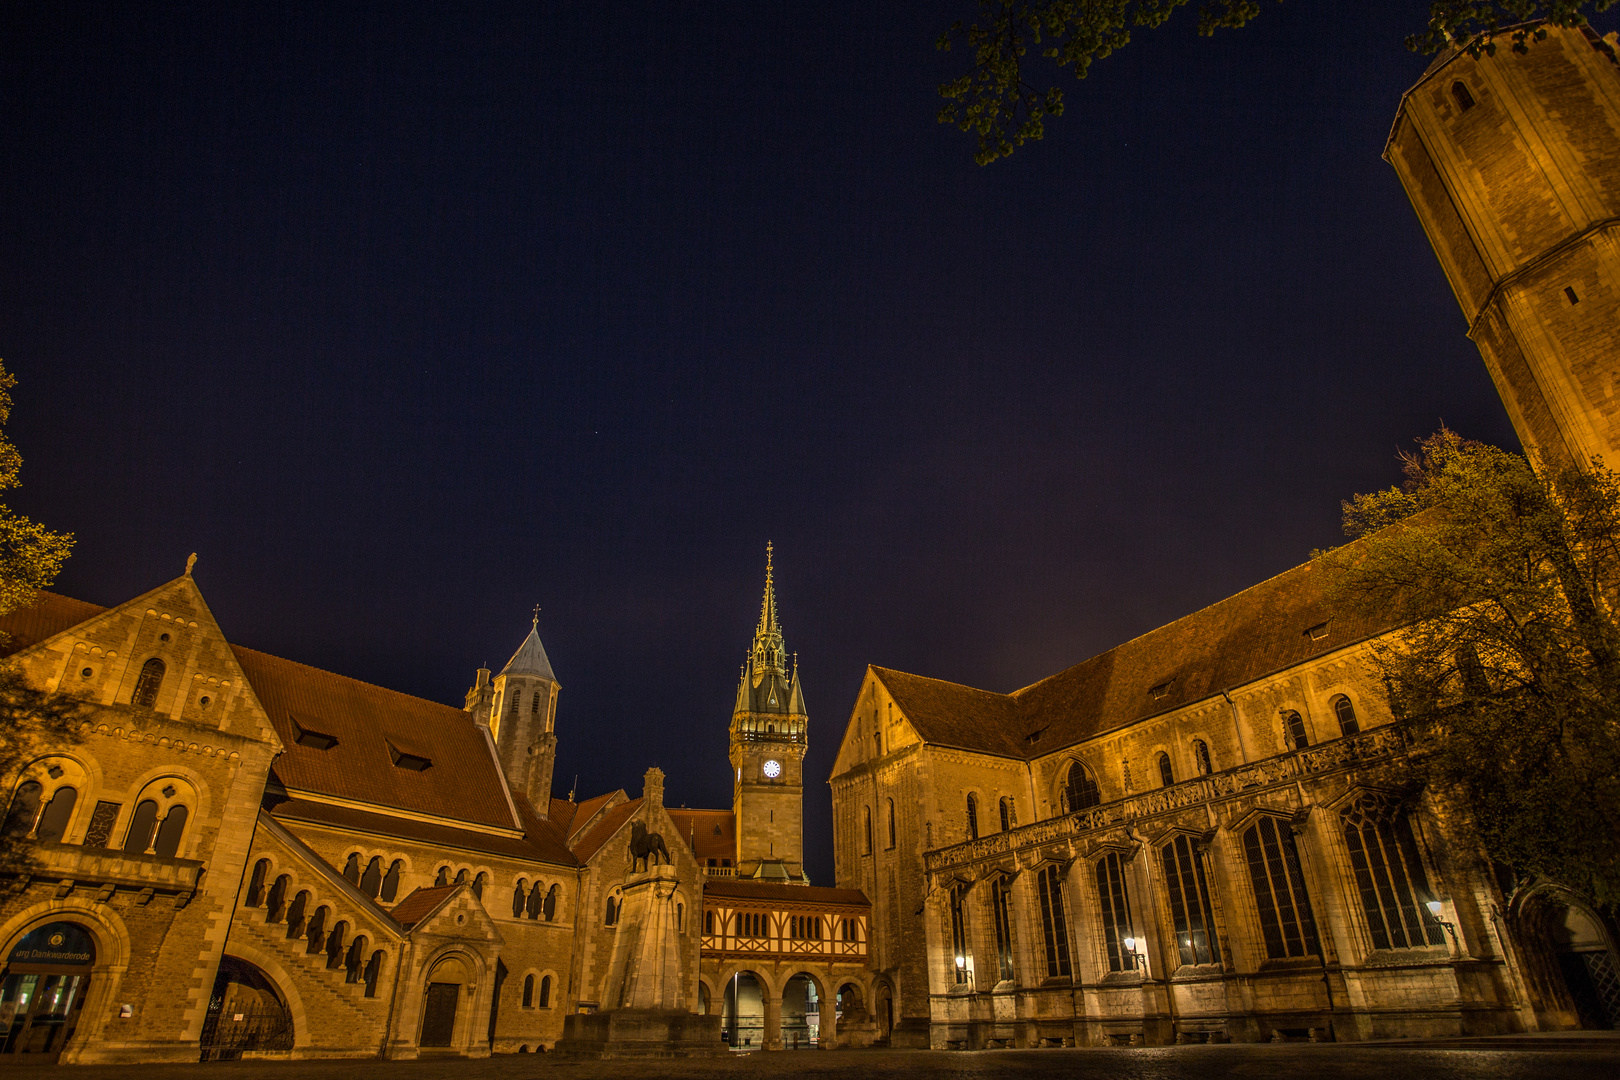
346 678
943 682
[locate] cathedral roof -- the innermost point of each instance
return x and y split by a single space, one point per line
1237 640
711 834
590 842
530 659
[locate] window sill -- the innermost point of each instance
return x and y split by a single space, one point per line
1121 978
1291 963
1056 980
1198 971
1423 954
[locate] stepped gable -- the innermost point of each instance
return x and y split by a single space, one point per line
1237 640
595 836
711 834
745 889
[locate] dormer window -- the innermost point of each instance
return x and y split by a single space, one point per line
315 740
405 760
1317 632
1161 690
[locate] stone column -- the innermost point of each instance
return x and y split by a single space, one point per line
829 1019
771 1037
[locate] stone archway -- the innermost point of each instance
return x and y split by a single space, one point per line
854 1019
447 985
742 1011
803 995
47 978
247 1012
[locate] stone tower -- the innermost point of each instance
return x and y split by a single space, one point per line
768 733
520 707
1513 165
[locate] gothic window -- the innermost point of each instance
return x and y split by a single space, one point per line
891 824
973 817
1079 789
354 959
1346 712
549 908
25 809
868 849
1167 775
1294 724
545 991
54 819
373 969
1286 920
958 935
255 893
1114 902
1201 756
528 991
1004 953
371 880
1054 923
519 894
141 827
1009 815
1190 909
276 902
147 686
1390 876
351 868
390 883
1460 94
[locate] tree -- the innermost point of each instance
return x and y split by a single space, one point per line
1503 581
998 102
30 557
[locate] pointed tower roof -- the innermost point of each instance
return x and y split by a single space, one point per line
531 659
768 653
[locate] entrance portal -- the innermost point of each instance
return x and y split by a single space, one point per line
439 1014
46 976
245 1012
1588 968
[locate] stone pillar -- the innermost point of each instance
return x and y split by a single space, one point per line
829 1020
772 1036
646 966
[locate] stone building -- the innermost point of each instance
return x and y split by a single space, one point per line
235 854
1204 833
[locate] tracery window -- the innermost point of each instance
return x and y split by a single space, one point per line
1294 724
1167 774
1113 899
1009 814
1079 789
1286 920
1004 954
1054 922
148 684
972 818
1346 712
1190 910
958 935
1201 756
1389 875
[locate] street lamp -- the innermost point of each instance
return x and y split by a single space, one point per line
1136 957
1435 908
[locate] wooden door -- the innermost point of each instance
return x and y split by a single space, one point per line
439 1014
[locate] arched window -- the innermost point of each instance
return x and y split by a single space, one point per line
1286 921
255 893
1294 724
354 959
1201 756
141 826
275 904
372 879
316 934
351 868
169 833
1460 94
612 911
373 969
1167 775
1004 950
295 915
1009 814
1114 902
549 909
545 991
461 876
680 918
891 824
959 957
442 877
520 893
868 849
1390 876
148 685
1079 789
973 817
532 907
334 945
25 809
390 883
516 696
54 819
478 884
1054 922
528 991
1190 908
708 922
1346 712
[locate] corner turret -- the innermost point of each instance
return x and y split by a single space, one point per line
520 708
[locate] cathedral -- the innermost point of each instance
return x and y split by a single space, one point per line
232 855
1204 834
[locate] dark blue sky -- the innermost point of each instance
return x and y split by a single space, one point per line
408 317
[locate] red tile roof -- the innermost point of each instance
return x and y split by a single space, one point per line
420 904
538 843
600 833
744 889
588 810
711 834
49 615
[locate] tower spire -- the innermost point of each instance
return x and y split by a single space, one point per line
768 653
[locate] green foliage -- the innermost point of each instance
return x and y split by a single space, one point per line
30 554
1504 580
999 103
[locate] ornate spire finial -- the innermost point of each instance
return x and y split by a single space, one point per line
191 560
767 651
536 623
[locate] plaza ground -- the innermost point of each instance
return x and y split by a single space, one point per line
1593 1057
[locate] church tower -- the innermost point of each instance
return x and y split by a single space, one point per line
520 707
1512 162
768 732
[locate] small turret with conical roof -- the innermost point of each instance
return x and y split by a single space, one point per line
769 727
520 707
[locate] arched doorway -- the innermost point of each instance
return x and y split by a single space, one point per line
245 1012
440 1001
47 975
884 1015
742 1013
1584 959
801 1014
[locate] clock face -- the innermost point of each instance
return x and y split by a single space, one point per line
773 769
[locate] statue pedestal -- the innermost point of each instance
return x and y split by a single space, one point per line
646 1014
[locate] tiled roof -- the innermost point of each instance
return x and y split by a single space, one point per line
586 811
49 615
735 889
539 842
420 904
712 834
1235 641
591 841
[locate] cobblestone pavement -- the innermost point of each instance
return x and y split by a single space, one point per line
1245 1062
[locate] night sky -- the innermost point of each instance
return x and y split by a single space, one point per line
408 317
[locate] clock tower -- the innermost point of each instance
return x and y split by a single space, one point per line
768 732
